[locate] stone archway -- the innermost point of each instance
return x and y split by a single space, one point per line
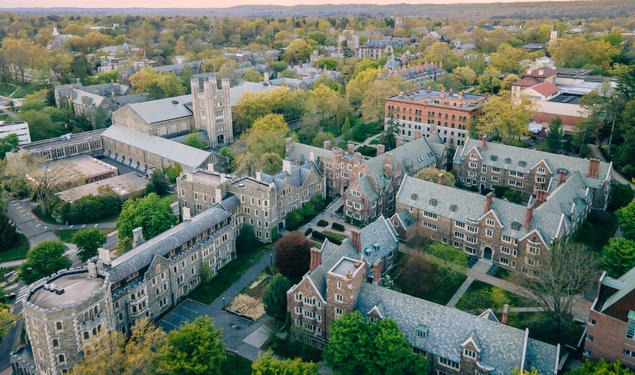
487 253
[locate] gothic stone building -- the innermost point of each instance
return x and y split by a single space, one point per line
486 165
510 235
66 309
368 185
454 342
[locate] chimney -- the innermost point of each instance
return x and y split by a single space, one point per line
594 168
357 240
266 78
286 166
288 143
316 258
104 256
259 176
562 176
377 271
416 134
137 236
398 141
327 144
461 95
185 213
388 164
440 179
483 142
541 197
488 201
210 167
351 149
530 212
505 317
92 269
300 63
380 149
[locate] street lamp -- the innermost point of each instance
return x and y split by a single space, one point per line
271 258
223 302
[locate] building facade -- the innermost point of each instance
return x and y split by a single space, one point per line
19 128
212 111
486 165
85 143
425 112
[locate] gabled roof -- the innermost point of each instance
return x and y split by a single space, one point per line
626 284
526 82
331 254
160 110
378 240
297 176
546 88
542 72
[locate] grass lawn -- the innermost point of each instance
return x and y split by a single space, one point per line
6 270
290 348
226 276
236 365
170 198
26 90
596 233
542 328
18 251
6 89
481 296
66 235
447 253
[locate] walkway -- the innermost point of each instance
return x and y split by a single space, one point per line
235 329
595 149
482 266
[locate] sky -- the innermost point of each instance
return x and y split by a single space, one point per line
219 3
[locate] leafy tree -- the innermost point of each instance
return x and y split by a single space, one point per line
327 103
8 235
194 349
513 196
626 220
373 103
288 73
87 242
346 129
43 260
508 59
150 213
297 50
502 118
193 140
601 367
158 184
7 320
109 353
432 174
328 63
80 67
246 240
359 86
318 140
618 256
553 142
278 66
267 135
621 195
8 144
275 298
271 163
268 364
465 76
489 81
318 36
292 254
580 52
251 75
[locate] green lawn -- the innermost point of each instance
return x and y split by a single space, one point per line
226 276
447 253
26 90
170 198
66 235
541 328
290 348
6 89
481 296
18 251
236 365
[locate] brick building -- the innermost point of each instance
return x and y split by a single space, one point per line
368 185
487 164
610 332
425 112
340 281
510 235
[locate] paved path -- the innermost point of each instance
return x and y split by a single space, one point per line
482 266
595 149
235 329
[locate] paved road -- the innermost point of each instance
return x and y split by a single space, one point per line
235 329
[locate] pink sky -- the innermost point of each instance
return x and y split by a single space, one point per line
220 3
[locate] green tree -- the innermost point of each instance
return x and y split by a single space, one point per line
502 118
297 50
275 298
618 256
194 349
373 103
600 367
271 163
87 242
318 36
43 260
193 140
318 140
251 75
288 73
278 66
8 144
358 87
246 240
268 364
80 67
150 213
621 195
626 220
346 129
8 235
327 63
553 142
432 174
158 184
327 103
489 81
7 320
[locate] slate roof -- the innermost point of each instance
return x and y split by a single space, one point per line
302 151
379 239
161 245
297 177
515 155
429 96
448 328
331 254
160 110
185 155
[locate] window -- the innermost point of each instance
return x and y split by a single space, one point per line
59 326
422 331
339 297
429 225
506 238
505 250
86 335
496 169
489 232
459 235
472 229
56 343
448 363
540 179
473 165
541 170
534 250
430 214
471 240
459 224
630 330
495 178
469 353
504 261
489 222
61 358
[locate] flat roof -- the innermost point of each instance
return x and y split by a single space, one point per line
77 286
566 99
344 266
84 166
122 185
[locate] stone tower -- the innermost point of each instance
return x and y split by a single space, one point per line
212 110
554 35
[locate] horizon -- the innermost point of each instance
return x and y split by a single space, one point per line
218 4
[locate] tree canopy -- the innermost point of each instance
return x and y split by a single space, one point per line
88 242
43 260
151 213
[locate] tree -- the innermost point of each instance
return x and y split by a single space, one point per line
109 353
87 242
626 220
7 320
432 174
43 260
278 66
275 298
288 73
268 364
158 184
150 213
327 103
580 52
621 195
508 59
251 75
561 274
8 144
246 240
80 67
373 103
271 163
328 63
8 235
553 142
600 367
46 177
465 76
267 135
194 349
193 140
502 118
292 254
321 137
358 87
618 256
297 50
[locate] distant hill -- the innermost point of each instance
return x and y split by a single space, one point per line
565 9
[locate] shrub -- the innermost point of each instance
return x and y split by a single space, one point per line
336 238
322 223
621 195
88 209
301 216
338 226
308 231
246 240
319 236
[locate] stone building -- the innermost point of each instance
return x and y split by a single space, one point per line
611 325
68 145
369 185
424 112
264 200
453 341
511 235
114 293
487 165
212 111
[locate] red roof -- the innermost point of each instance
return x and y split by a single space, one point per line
526 82
543 72
546 88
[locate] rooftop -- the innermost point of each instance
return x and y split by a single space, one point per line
122 185
344 266
84 166
76 285
432 97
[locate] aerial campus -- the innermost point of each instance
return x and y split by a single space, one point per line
328 189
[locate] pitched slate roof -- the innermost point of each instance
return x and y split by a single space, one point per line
303 152
160 110
297 177
502 346
510 157
161 245
624 286
185 155
331 254
378 239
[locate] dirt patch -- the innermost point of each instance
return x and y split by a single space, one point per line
249 302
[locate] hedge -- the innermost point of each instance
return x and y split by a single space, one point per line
301 216
322 223
338 227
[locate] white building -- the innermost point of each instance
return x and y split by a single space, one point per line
19 128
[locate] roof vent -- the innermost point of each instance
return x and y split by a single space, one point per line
522 163
376 246
515 225
508 160
433 202
367 251
174 101
453 207
494 157
414 196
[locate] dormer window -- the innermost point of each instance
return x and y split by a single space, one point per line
469 353
422 331
493 157
508 160
433 202
522 163
515 225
